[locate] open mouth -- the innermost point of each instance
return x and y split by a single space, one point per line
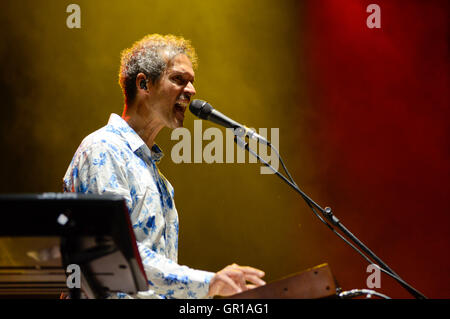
181 106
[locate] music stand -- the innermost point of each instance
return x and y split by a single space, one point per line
42 234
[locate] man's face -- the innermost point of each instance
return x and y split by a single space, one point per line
171 95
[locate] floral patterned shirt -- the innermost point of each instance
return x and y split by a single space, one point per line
115 160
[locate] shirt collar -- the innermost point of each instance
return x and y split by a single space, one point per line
135 142
157 153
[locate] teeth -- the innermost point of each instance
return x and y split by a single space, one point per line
183 103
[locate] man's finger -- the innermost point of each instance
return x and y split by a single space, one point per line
230 282
249 270
255 280
238 277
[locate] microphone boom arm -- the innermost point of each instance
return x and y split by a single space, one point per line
328 215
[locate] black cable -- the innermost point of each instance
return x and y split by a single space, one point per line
309 202
282 163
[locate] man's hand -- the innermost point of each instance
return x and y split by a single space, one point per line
233 279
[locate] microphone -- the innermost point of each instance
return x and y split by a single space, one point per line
205 111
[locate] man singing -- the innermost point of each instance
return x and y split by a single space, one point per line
157 77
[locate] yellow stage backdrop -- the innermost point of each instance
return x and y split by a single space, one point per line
60 84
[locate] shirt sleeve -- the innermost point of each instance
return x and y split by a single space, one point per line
97 170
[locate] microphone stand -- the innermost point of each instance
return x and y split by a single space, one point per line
328 215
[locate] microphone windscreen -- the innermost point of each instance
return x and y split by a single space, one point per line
200 108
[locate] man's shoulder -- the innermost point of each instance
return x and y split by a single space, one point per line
104 139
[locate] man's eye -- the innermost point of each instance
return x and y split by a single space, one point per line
179 79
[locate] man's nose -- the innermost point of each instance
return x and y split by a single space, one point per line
189 89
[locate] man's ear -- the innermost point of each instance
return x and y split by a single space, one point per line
141 82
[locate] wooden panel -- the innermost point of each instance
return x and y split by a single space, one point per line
316 282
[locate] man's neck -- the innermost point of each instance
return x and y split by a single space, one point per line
143 123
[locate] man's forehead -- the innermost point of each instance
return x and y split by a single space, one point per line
180 63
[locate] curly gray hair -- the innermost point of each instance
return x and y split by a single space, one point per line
150 56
